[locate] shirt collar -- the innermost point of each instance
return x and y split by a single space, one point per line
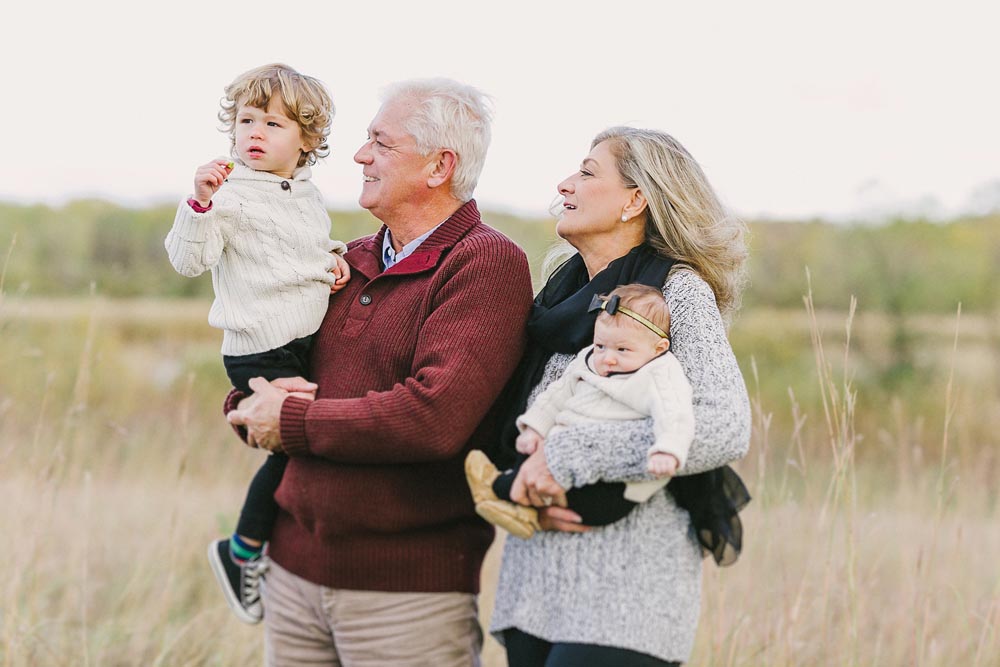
390 257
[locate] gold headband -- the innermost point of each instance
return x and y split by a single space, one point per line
611 306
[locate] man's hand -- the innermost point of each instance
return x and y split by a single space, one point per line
662 464
297 386
260 413
209 178
341 272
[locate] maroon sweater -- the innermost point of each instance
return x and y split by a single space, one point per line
408 362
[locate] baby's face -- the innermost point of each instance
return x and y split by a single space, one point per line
623 348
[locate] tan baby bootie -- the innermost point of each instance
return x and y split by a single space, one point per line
517 520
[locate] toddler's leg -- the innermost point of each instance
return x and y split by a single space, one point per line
260 509
237 562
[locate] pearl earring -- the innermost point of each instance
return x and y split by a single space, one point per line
624 218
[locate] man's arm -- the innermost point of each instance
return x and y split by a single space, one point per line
464 355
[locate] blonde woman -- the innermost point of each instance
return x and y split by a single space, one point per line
639 210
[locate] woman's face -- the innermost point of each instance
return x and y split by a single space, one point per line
593 198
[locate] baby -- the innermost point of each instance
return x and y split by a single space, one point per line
261 227
628 373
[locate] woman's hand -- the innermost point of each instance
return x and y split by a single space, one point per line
562 519
534 484
260 413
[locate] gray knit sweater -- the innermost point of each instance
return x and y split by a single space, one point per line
267 242
634 584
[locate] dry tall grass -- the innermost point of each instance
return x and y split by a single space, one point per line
872 540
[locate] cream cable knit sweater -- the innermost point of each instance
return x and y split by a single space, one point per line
658 389
269 252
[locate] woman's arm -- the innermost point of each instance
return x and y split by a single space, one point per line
617 452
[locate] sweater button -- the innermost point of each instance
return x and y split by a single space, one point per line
285 185
365 299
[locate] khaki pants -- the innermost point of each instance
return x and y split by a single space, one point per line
306 624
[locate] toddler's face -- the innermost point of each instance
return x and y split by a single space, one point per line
267 139
623 348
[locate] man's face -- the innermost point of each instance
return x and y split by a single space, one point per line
395 173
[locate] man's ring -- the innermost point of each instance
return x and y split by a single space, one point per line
547 500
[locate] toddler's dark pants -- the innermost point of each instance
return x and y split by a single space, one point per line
292 360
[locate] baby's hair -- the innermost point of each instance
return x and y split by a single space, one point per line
642 299
306 101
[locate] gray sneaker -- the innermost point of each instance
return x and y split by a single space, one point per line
240 583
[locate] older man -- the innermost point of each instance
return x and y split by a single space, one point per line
376 552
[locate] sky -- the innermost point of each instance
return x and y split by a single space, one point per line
795 109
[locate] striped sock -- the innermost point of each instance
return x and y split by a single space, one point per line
241 552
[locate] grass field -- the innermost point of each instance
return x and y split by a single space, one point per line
872 539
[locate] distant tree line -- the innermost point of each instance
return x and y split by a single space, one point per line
905 266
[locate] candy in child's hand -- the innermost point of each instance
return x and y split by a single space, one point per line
230 165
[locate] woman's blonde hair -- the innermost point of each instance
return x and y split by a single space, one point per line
685 219
306 101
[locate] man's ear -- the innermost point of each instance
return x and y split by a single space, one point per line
442 168
662 345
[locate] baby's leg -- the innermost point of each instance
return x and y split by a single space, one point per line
597 504
481 475
505 481
600 504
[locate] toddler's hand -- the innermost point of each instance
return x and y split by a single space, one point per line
662 464
529 441
209 178
341 271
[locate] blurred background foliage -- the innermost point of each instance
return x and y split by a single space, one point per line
900 267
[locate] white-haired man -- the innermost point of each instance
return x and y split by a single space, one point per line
376 553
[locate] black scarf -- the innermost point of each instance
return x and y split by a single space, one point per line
560 323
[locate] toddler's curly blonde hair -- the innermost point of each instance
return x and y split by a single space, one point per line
306 101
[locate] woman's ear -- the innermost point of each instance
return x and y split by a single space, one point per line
442 168
635 206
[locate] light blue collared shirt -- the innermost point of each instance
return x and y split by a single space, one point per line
390 257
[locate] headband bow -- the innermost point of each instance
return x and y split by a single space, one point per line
612 306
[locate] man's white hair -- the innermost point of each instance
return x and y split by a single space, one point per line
451 115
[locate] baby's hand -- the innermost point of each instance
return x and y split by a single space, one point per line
209 178
529 441
341 271
662 464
